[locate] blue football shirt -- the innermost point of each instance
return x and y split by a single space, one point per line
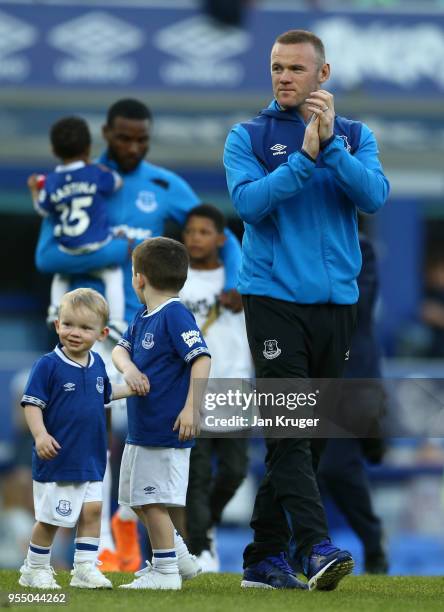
75 196
163 344
72 399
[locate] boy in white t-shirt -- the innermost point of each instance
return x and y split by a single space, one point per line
225 335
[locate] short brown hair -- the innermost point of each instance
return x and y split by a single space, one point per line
163 261
88 298
295 37
70 137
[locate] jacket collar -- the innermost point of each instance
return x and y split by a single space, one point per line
276 111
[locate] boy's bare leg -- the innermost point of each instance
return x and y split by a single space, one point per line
179 517
43 534
159 525
89 520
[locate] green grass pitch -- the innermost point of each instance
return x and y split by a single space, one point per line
222 593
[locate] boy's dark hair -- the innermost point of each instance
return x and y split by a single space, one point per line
70 137
128 108
163 261
209 212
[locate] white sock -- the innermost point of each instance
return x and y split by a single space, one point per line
180 546
165 561
106 538
113 280
127 514
59 286
38 556
86 550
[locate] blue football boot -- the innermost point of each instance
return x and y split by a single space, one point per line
326 566
271 573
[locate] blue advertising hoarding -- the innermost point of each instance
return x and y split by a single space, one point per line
67 46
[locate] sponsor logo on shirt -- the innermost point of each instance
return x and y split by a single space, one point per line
100 384
279 149
271 349
64 507
149 490
69 386
148 341
191 337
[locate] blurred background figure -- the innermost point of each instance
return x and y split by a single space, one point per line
226 12
199 79
432 311
341 470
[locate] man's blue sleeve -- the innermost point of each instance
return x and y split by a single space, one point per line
231 254
254 193
37 390
106 181
360 175
181 200
50 259
43 204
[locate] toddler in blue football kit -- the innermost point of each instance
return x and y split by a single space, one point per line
75 197
163 352
64 403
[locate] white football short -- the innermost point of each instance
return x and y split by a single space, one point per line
153 475
60 503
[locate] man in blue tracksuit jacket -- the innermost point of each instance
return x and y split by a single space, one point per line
149 196
297 175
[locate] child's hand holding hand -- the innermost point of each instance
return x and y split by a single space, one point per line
136 380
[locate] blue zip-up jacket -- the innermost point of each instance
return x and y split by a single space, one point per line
138 210
301 238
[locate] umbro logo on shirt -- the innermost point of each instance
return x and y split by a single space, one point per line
69 386
149 490
279 149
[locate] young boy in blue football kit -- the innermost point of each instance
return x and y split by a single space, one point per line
64 408
162 351
75 197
